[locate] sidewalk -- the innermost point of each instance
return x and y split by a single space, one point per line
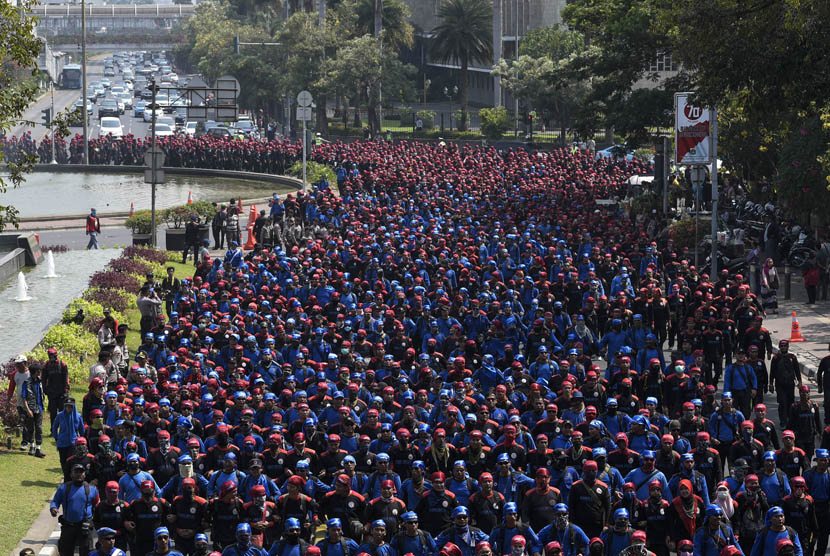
814 321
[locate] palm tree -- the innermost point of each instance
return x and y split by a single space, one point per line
465 34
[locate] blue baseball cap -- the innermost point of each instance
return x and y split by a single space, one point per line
383 456
292 523
106 532
334 522
378 523
459 511
160 531
409 517
511 508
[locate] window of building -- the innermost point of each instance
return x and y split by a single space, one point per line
663 62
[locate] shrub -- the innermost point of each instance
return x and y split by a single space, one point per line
116 299
73 340
427 118
683 233
494 122
146 253
78 366
205 210
176 217
314 172
93 313
130 266
8 412
141 222
54 248
115 280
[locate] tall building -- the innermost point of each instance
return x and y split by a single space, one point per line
512 19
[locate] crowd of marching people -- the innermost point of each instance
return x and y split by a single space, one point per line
461 354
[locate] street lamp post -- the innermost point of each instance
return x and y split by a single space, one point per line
83 77
450 93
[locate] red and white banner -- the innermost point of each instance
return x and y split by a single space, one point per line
692 136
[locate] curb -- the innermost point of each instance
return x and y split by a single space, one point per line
51 546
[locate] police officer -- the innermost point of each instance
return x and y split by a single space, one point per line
77 498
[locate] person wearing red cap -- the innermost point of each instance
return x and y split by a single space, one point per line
486 505
653 517
537 503
509 446
436 505
110 512
144 514
805 421
800 513
163 460
747 446
765 430
188 516
345 504
295 503
262 515
790 458
785 375
386 507
441 454
225 511
589 501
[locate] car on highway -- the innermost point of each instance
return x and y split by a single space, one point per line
120 102
108 107
247 128
106 83
109 71
138 108
147 116
126 98
164 130
220 132
111 126
190 128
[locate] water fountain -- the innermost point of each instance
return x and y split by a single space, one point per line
22 288
50 265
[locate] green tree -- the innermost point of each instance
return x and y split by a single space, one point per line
464 35
18 49
494 121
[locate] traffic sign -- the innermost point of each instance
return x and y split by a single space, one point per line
304 113
154 157
304 98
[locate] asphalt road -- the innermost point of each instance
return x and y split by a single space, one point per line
64 98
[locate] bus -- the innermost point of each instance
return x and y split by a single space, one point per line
70 77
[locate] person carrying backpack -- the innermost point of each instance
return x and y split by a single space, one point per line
775 530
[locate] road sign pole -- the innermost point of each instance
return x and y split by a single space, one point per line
305 141
83 75
153 168
666 159
714 138
52 92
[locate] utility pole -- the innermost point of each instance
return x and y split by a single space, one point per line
154 89
52 92
714 139
83 78
379 37
516 58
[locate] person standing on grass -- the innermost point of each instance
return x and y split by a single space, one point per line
33 400
77 498
56 379
93 228
67 426
15 392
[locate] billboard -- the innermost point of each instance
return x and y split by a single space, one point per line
692 132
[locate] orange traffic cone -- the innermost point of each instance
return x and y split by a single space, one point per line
795 335
132 209
189 197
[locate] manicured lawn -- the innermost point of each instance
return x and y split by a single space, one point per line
27 483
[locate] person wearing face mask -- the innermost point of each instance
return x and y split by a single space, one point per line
81 456
800 513
224 513
617 536
570 538
628 501
110 513
685 548
245 544
132 482
221 447
509 528
144 515
774 481
163 461
749 517
615 422
818 484
724 499
77 498
107 463
262 515
229 472
685 515
589 500
461 533
652 516
688 471
775 531
715 536
188 516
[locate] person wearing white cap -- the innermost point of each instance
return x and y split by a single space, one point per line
21 375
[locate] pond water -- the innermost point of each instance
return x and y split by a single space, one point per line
25 322
49 194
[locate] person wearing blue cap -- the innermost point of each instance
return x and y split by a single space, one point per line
775 530
818 485
509 482
245 544
201 545
381 473
106 538
461 533
335 542
161 543
715 535
688 472
618 535
510 527
291 543
460 484
774 482
413 540
376 543
229 472
416 485
571 538
724 425
643 475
